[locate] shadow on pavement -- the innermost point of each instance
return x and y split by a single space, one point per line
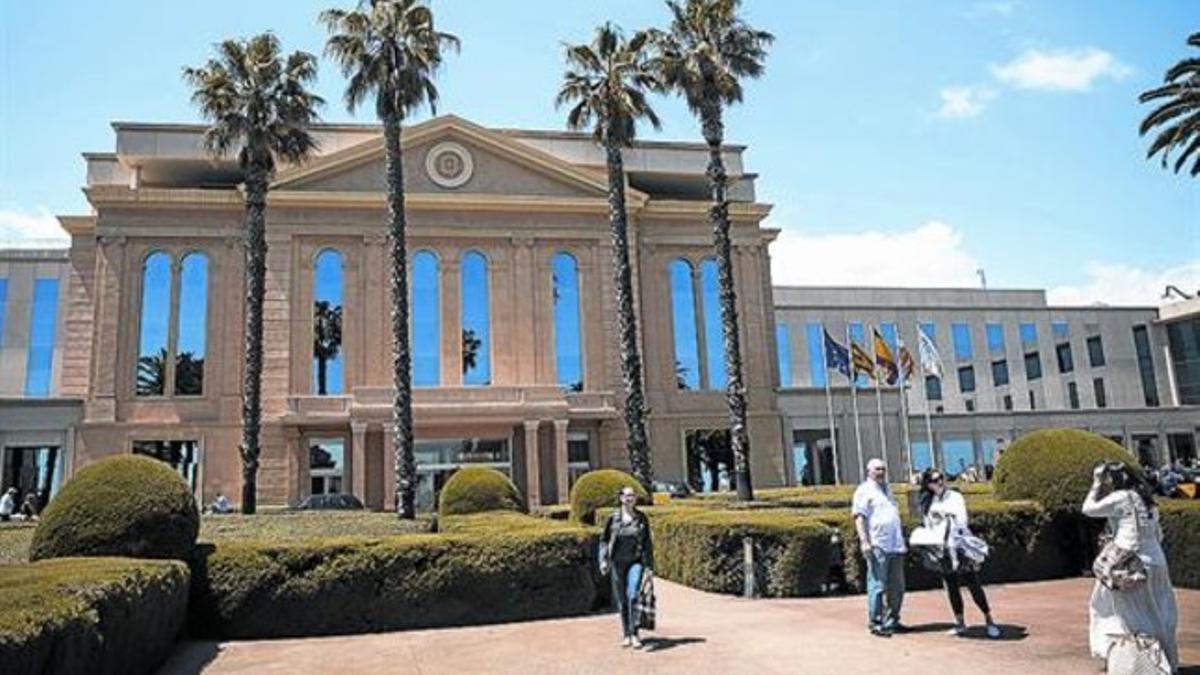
1189 670
661 644
937 627
190 658
1008 632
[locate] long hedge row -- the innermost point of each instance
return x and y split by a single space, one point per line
484 568
93 615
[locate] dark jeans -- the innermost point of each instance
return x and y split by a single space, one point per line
626 582
953 583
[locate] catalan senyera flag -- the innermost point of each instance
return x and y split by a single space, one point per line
861 361
907 365
883 359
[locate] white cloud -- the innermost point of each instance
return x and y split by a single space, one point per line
1060 70
931 255
20 228
1118 284
962 102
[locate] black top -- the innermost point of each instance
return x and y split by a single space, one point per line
629 542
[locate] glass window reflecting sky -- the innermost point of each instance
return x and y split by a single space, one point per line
568 357
816 360
425 320
155 317
714 338
191 325
475 320
683 320
41 337
327 323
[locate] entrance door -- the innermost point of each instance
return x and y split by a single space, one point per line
437 460
326 465
183 456
709 460
812 455
36 469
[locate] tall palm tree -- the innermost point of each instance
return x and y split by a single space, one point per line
258 104
390 51
703 56
606 81
1179 114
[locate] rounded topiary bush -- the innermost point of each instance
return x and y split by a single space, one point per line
1054 466
475 489
598 489
124 505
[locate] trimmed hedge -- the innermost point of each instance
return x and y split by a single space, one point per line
124 505
95 615
1054 466
599 488
1180 521
476 489
703 549
485 568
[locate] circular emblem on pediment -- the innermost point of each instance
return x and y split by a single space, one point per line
449 164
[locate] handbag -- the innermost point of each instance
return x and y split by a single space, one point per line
1136 655
645 604
1118 568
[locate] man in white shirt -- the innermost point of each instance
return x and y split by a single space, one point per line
881 538
8 504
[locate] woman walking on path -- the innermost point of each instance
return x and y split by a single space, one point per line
945 511
627 555
1146 604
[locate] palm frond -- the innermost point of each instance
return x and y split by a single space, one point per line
1178 114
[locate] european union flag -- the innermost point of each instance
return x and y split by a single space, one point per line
837 357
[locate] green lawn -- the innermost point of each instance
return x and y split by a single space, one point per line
270 526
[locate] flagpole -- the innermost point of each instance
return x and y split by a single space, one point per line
862 469
879 397
928 423
829 409
906 439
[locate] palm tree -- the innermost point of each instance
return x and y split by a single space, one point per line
1179 114
258 104
606 82
327 339
389 50
470 349
703 56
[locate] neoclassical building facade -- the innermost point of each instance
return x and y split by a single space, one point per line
516 360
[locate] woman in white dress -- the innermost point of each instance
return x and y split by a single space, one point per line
1147 608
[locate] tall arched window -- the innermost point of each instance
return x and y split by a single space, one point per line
476 344
425 320
327 323
568 340
683 318
155 322
714 337
190 341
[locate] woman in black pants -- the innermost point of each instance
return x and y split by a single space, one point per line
946 508
627 555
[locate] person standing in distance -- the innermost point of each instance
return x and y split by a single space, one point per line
877 521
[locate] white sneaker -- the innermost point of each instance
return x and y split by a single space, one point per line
993 631
958 631
637 642
627 642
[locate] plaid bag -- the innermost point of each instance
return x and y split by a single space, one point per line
644 604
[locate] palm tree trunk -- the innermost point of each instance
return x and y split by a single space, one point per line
322 376
631 357
256 273
406 466
735 390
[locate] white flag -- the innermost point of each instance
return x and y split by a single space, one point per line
931 361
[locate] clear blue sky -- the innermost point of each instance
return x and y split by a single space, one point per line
916 141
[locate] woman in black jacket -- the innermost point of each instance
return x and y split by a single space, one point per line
627 556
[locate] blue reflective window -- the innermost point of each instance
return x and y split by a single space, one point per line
568 350
1059 330
961 334
154 322
784 352
859 335
918 453
3 297
714 336
426 321
957 454
327 323
476 340
889 333
814 336
1028 334
930 331
191 340
41 337
995 338
683 319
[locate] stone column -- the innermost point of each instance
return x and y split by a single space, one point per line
297 459
358 459
561 459
389 467
533 478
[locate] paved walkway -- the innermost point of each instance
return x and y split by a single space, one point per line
1045 626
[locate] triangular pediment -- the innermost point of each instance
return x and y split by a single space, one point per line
449 155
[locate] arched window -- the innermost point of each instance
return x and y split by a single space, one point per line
155 321
190 325
683 318
425 320
568 340
327 323
714 337
476 345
